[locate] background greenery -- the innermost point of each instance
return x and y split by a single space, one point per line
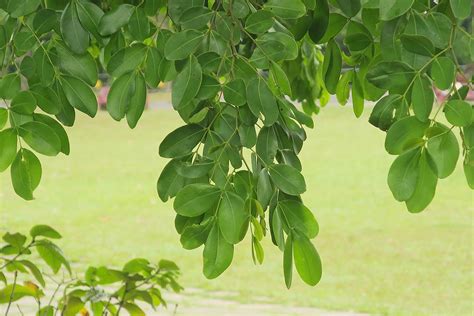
377 257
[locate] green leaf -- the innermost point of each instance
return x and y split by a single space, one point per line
443 148
233 218
79 95
405 134
234 92
82 66
15 292
195 235
343 87
23 103
390 9
403 174
209 88
280 78
196 18
417 44
182 44
286 9
468 167
34 270
57 128
349 7
113 20
425 185
10 85
458 112
461 8
287 178
264 188
153 61
259 22
443 71
169 182
44 21
8 144
126 60
89 15
120 96
52 255
330 25
422 98
332 66
382 115
357 95
393 76
187 84
177 7
181 141
307 261
196 199
43 67
3 117
267 144
137 101
73 306
22 8
261 100
217 254
288 261
75 36
25 173
46 99
138 25
44 231
299 217
41 138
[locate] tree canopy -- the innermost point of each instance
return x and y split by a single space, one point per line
240 69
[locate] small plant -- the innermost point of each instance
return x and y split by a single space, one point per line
100 291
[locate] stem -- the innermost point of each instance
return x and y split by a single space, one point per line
11 294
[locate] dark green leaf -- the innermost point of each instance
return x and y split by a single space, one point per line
422 98
443 147
196 199
80 95
120 95
217 254
261 100
75 36
390 9
187 84
137 101
458 112
234 92
181 141
126 60
286 9
113 20
299 217
288 261
233 218
259 22
442 72
182 44
332 66
41 138
287 179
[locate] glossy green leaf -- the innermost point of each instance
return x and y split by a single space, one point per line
181 141
113 20
187 84
288 179
182 44
80 95
286 9
74 34
41 138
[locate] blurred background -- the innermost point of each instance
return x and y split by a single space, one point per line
377 258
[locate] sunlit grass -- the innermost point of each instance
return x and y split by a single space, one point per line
377 257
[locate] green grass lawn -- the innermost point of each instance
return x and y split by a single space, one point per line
377 257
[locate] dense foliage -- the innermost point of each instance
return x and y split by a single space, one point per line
239 68
100 291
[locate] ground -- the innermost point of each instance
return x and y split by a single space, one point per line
377 257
